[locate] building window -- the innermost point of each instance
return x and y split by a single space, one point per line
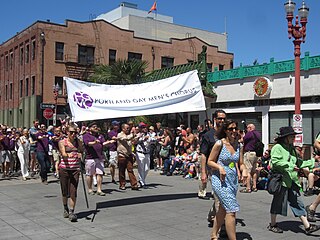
231 64
27 87
33 50
21 88
21 55
11 91
112 56
6 64
59 81
85 55
167 62
6 92
209 66
221 67
190 61
27 52
33 85
59 51
11 60
134 56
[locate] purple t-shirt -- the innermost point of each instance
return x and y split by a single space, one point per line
5 142
94 151
249 140
112 146
42 144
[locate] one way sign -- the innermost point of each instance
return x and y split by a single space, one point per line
46 105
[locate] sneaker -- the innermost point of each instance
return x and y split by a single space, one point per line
187 177
310 214
276 229
312 228
45 182
91 193
114 182
65 213
73 217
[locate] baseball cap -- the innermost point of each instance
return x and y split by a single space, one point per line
142 124
114 123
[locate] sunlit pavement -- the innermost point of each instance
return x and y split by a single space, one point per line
168 209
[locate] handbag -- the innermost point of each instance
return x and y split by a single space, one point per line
164 152
275 183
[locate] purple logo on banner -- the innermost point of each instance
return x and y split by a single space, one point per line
83 100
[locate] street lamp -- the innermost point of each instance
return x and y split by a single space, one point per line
56 90
298 32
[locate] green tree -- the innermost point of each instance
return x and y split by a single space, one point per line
121 72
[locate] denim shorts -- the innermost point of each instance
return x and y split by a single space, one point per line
292 195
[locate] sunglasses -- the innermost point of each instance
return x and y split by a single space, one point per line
72 132
232 128
221 118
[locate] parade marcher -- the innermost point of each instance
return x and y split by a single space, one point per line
42 153
284 160
5 152
69 170
143 153
57 136
33 146
250 157
94 142
225 155
125 157
113 159
23 150
208 140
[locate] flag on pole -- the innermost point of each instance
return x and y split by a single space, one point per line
154 7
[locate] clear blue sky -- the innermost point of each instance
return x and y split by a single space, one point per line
257 29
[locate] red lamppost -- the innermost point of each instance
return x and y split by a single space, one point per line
56 89
299 34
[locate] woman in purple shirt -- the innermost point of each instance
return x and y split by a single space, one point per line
42 153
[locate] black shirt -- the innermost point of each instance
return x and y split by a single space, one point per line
208 140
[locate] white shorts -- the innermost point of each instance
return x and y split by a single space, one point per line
113 160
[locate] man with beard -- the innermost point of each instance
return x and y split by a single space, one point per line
125 157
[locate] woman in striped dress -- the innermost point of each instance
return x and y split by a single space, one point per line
69 170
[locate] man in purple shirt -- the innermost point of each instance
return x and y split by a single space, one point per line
113 159
94 142
6 156
42 149
250 158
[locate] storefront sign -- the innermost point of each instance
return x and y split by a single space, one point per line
262 86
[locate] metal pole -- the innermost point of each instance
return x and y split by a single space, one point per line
297 53
83 180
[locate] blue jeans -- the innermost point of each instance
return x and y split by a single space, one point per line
43 160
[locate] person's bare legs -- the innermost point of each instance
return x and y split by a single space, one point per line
218 221
99 182
89 183
231 225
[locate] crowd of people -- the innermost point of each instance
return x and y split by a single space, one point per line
218 152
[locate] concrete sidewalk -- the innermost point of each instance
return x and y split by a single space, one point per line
169 209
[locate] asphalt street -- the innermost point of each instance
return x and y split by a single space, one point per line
168 209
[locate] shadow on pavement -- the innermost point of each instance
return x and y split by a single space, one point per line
296 227
144 199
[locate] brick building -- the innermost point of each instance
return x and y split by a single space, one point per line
37 58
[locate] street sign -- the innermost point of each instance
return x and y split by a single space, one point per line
47 113
297 120
46 105
297 126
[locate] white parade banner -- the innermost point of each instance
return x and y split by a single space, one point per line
90 101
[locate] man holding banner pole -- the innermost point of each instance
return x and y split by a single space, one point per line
94 143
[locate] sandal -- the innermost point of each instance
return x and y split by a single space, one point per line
245 190
101 193
254 190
